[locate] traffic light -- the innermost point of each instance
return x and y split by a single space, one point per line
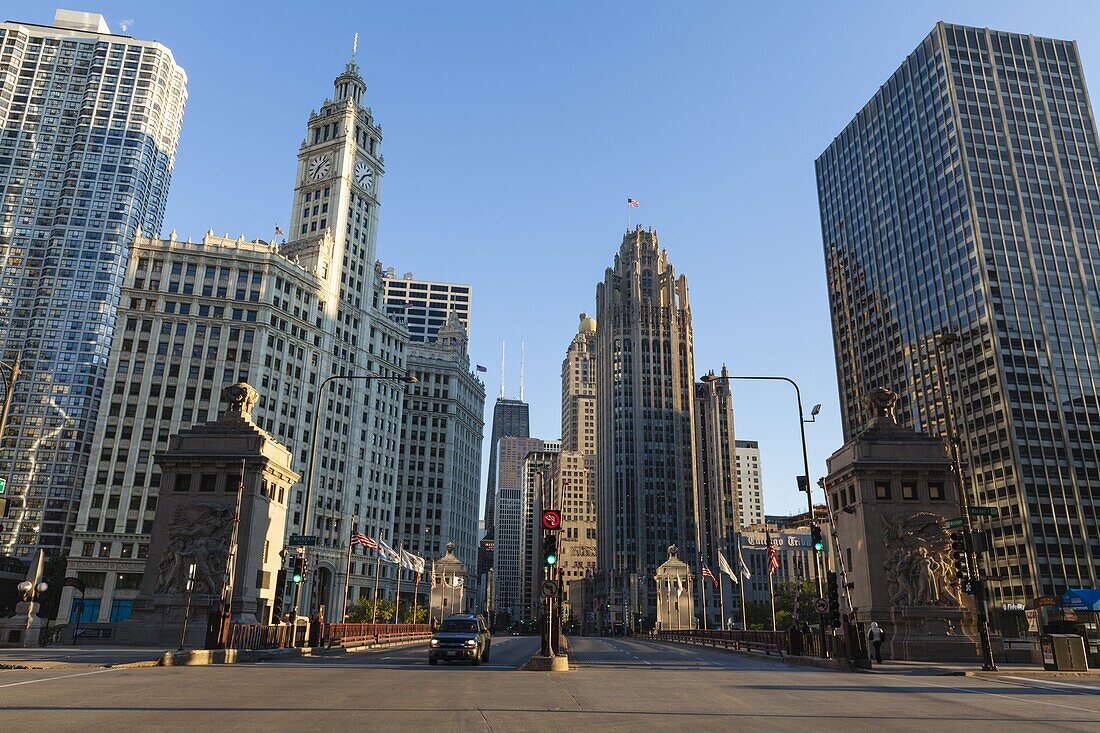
815 535
298 569
958 547
833 594
549 550
280 593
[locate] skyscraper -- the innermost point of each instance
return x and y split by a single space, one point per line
439 470
511 418
645 365
196 317
424 306
574 468
90 125
963 199
750 496
717 518
509 558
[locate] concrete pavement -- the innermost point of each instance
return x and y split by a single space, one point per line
75 656
618 685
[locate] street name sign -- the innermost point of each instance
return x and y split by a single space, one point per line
983 511
302 540
955 523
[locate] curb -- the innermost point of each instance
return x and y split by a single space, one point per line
835 665
557 663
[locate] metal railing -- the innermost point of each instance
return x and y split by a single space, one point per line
263 636
352 634
777 643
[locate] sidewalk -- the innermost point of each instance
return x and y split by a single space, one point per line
63 657
973 669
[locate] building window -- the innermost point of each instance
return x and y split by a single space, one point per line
121 609
208 482
128 581
909 491
85 610
935 492
91 580
183 482
882 489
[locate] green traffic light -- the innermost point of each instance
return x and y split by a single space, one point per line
551 559
819 546
297 577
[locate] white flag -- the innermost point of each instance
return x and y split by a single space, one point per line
679 586
725 568
745 569
388 553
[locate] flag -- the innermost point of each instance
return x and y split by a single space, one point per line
279 231
358 538
481 369
724 567
745 569
773 558
679 586
632 203
388 553
433 576
708 574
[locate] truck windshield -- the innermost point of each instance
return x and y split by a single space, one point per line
458 625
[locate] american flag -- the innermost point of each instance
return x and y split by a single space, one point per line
708 574
632 203
279 231
481 369
358 538
773 558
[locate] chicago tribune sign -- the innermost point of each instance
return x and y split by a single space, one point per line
778 541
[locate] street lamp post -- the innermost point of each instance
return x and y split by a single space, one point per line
804 480
946 340
303 526
31 592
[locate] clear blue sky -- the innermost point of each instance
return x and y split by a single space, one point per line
514 132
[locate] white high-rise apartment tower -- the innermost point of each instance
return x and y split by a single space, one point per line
89 123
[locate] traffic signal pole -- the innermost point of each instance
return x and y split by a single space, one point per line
988 663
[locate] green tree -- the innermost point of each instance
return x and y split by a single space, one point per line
760 614
414 614
363 611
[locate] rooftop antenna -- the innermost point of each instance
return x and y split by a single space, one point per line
502 370
521 360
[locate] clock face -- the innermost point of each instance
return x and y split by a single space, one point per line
364 176
319 167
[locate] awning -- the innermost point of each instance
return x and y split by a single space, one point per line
1082 599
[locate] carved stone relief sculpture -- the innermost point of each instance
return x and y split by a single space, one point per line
197 533
917 569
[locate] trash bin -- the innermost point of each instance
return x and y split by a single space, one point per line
1064 653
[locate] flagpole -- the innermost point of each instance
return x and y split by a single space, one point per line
703 594
347 581
741 585
722 598
377 568
771 592
397 603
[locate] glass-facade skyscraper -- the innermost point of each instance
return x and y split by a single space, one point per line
964 198
89 124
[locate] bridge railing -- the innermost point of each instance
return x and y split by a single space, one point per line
265 636
767 642
352 634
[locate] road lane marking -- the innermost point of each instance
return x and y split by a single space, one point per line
993 693
1050 682
62 677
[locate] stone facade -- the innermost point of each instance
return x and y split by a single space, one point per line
645 366
891 491
675 594
211 471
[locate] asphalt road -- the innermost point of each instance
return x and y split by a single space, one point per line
618 685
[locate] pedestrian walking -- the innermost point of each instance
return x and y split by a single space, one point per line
875 636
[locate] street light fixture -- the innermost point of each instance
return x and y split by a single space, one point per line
303 527
943 342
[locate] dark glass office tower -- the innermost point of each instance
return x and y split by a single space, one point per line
510 418
963 198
